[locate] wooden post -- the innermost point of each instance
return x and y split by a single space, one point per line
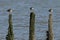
10 35
50 26
32 26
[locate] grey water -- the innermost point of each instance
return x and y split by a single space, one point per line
21 15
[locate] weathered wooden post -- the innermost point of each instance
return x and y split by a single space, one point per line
10 35
50 30
32 26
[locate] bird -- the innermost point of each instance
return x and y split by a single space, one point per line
31 8
9 10
50 10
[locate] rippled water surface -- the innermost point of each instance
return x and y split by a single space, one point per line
21 17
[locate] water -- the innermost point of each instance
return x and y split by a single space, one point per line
21 17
